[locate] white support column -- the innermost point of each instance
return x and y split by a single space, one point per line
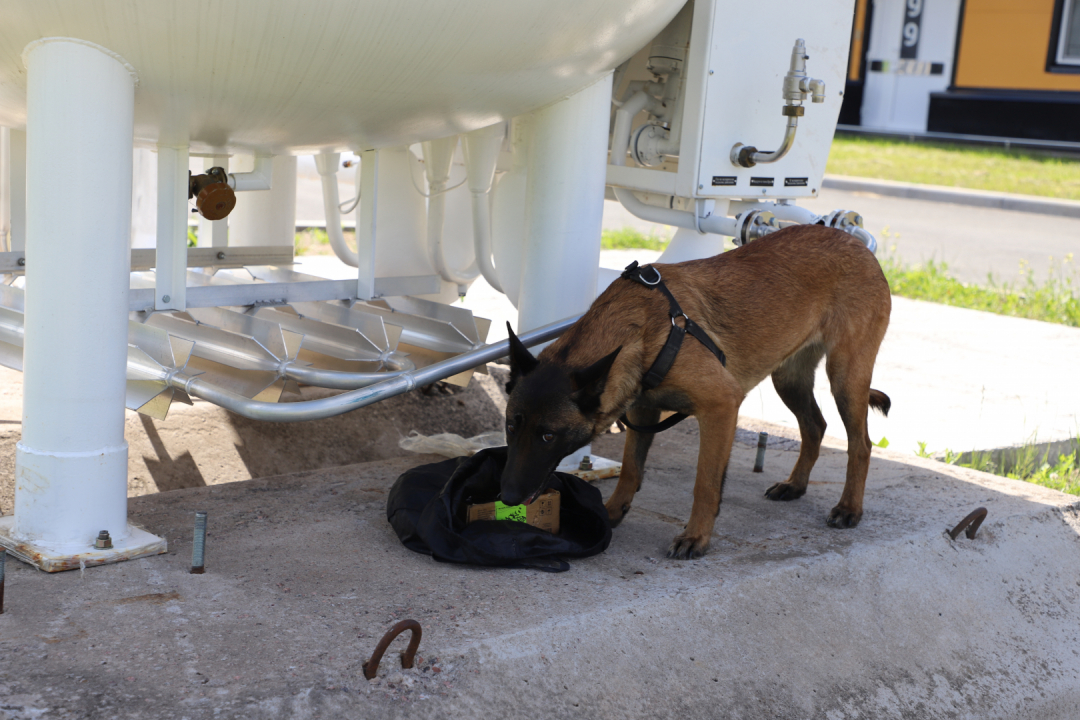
5 188
564 212
266 217
17 190
564 207
71 464
365 224
171 275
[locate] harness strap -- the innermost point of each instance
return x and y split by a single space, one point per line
649 276
658 427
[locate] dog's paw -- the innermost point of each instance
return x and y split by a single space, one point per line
685 547
842 517
616 513
784 491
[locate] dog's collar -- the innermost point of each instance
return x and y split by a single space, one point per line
650 277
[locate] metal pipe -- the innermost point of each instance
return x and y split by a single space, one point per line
869 240
438 157
719 225
356 399
624 116
481 148
792 213
742 155
259 178
338 380
327 165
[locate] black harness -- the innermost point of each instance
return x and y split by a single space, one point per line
666 358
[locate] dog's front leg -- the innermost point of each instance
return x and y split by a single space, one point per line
716 425
635 451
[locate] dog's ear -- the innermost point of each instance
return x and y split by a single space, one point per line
589 383
522 361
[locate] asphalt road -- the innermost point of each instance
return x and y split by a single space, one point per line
975 242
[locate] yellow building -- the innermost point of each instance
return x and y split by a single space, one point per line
1004 68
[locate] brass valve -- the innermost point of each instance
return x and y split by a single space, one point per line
214 199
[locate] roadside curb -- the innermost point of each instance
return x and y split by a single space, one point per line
958 196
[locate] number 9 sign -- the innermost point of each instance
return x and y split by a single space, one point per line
909 34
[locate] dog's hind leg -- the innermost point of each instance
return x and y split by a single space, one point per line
635 451
794 383
849 372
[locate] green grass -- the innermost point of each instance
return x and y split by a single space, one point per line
1028 464
975 168
628 238
1053 300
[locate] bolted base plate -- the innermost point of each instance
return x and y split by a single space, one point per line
601 468
138 543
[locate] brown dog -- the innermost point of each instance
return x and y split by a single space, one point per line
774 307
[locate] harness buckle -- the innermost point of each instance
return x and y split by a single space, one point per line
684 317
655 282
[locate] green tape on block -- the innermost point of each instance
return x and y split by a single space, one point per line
509 512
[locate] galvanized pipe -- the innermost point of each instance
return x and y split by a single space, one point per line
339 380
356 399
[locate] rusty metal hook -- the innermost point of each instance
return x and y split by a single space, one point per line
371 667
971 522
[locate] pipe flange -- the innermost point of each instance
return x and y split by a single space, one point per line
753 225
645 144
850 222
743 155
843 220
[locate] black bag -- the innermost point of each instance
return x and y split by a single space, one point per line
428 506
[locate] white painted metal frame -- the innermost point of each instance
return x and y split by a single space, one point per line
365 225
71 463
172 174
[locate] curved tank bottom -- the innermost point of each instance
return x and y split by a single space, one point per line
302 76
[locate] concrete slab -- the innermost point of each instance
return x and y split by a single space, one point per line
785 618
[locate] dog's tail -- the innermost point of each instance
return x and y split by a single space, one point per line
880 401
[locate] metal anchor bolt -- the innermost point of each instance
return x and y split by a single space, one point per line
3 562
586 463
759 461
103 542
371 667
971 522
198 548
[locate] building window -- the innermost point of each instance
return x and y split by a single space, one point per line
1067 40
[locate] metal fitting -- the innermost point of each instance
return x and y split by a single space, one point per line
796 87
645 145
759 461
104 541
214 199
754 225
198 547
586 463
850 222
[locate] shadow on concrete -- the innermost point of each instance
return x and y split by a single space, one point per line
169 474
368 434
